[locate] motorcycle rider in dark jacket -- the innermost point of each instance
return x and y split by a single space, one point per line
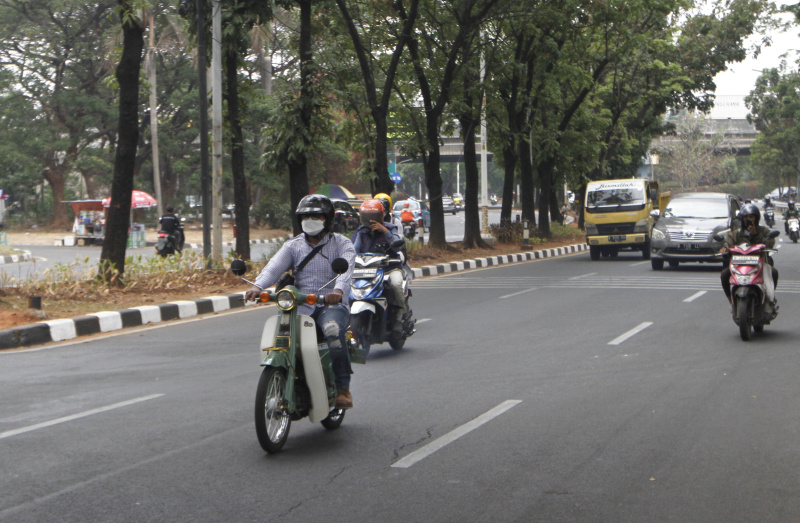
171 224
374 230
790 212
749 232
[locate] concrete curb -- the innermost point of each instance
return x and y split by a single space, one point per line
17 258
108 321
233 244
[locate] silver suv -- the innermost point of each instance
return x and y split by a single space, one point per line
684 230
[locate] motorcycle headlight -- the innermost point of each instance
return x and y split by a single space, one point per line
658 235
286 299
359 293
591 229
642 226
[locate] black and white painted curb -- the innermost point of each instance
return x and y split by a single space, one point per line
24 256
108 321
233 244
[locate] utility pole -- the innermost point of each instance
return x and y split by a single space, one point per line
484 156
202 87
216 128
150 67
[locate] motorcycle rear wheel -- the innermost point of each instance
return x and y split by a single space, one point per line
272 423
334 419
743 314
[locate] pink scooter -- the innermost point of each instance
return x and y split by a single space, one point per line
752 288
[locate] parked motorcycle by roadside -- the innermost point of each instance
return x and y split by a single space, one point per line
298 379
372 315
752 288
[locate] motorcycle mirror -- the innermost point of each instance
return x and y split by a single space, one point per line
238 267
718 237
397 244
339 265
774 234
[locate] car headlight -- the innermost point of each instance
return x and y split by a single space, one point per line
658 235
591 229
642 226
286 299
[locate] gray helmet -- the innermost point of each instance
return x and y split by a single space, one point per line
747 210
316 205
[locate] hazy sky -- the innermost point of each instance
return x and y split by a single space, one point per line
740 78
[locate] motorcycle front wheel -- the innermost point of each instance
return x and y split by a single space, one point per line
743 314
360 325
272 422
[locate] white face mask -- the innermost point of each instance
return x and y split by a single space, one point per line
312 227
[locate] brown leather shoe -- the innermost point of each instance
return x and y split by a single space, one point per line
344 400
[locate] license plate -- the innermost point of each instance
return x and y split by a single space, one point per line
744 260
620 238
689 246
364 273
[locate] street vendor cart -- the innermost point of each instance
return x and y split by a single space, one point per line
90 221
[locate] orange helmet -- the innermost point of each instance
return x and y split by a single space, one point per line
406 205
371 210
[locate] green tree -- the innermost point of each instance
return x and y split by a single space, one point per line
56 53
775 110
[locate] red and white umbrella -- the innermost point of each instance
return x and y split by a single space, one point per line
139 200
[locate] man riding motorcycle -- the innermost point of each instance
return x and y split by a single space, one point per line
790 212
749 232
171 224
372 231
316 215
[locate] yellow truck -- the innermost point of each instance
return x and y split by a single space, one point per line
617 215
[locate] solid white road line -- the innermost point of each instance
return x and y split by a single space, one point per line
433 446
423 320
694 296
638 263
632 332
50 423
518 293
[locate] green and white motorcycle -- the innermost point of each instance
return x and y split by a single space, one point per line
298 379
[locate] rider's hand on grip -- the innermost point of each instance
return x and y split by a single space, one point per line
333 298
253 294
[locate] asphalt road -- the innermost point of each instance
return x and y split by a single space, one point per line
555 390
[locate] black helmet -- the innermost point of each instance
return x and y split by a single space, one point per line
747 210
791 204
316 205
169 208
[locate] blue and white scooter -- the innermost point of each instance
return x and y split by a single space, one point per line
372 314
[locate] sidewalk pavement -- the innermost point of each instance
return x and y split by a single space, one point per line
108 321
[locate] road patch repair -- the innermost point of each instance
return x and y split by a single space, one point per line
109 321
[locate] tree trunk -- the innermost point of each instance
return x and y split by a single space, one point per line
526 182
546 180
112 257
510 164
298 164
54 175
241 203
472 218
